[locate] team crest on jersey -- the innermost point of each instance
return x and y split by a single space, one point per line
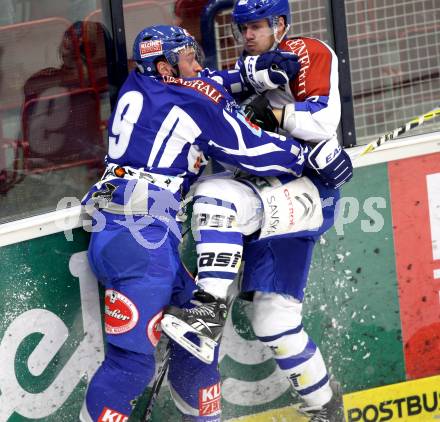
150 48
110 415
153 329
121 314
256 130
105 194
198 85
209 400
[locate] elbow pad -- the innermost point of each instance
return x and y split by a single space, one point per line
288 119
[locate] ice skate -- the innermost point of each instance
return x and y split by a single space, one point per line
331 411
206 320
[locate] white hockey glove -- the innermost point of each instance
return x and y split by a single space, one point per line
331 162
269 70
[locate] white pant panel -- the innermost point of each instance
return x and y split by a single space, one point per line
214 286
289 345
249 208
275 313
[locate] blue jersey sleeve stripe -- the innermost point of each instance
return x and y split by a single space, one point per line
312 106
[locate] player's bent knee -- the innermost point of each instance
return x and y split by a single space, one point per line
275 313
214 188
276 322
230 201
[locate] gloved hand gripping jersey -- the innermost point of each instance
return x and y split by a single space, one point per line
269 70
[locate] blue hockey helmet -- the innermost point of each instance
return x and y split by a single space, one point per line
160 41
253 10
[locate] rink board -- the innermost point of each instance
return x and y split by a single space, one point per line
412 401
372 305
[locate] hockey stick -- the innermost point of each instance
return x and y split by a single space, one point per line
157 384
412 124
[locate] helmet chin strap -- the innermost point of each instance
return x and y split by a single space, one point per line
278 40
286 30
176 71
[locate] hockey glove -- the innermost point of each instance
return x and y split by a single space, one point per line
259 111
269 70
331 162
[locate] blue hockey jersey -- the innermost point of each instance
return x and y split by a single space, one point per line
163 130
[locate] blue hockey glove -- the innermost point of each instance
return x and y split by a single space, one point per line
331 162
269 70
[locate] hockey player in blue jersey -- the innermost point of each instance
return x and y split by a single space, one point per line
166 124
278 219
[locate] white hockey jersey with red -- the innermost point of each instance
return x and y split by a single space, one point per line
314 91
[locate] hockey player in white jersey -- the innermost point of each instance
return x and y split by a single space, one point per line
277 218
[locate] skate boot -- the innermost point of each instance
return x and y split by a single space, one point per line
332 411
206 320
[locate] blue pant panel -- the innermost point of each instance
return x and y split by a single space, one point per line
183 287
278 265
144 278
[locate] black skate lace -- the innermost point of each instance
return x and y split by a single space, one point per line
321 416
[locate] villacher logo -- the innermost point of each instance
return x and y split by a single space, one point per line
121 314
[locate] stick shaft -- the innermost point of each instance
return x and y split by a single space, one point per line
157 384
412 124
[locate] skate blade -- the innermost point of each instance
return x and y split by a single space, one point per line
176 330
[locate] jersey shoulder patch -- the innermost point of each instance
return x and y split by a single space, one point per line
200 85
315 58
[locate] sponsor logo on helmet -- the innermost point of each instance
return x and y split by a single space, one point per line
209 400
150 48
121 314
